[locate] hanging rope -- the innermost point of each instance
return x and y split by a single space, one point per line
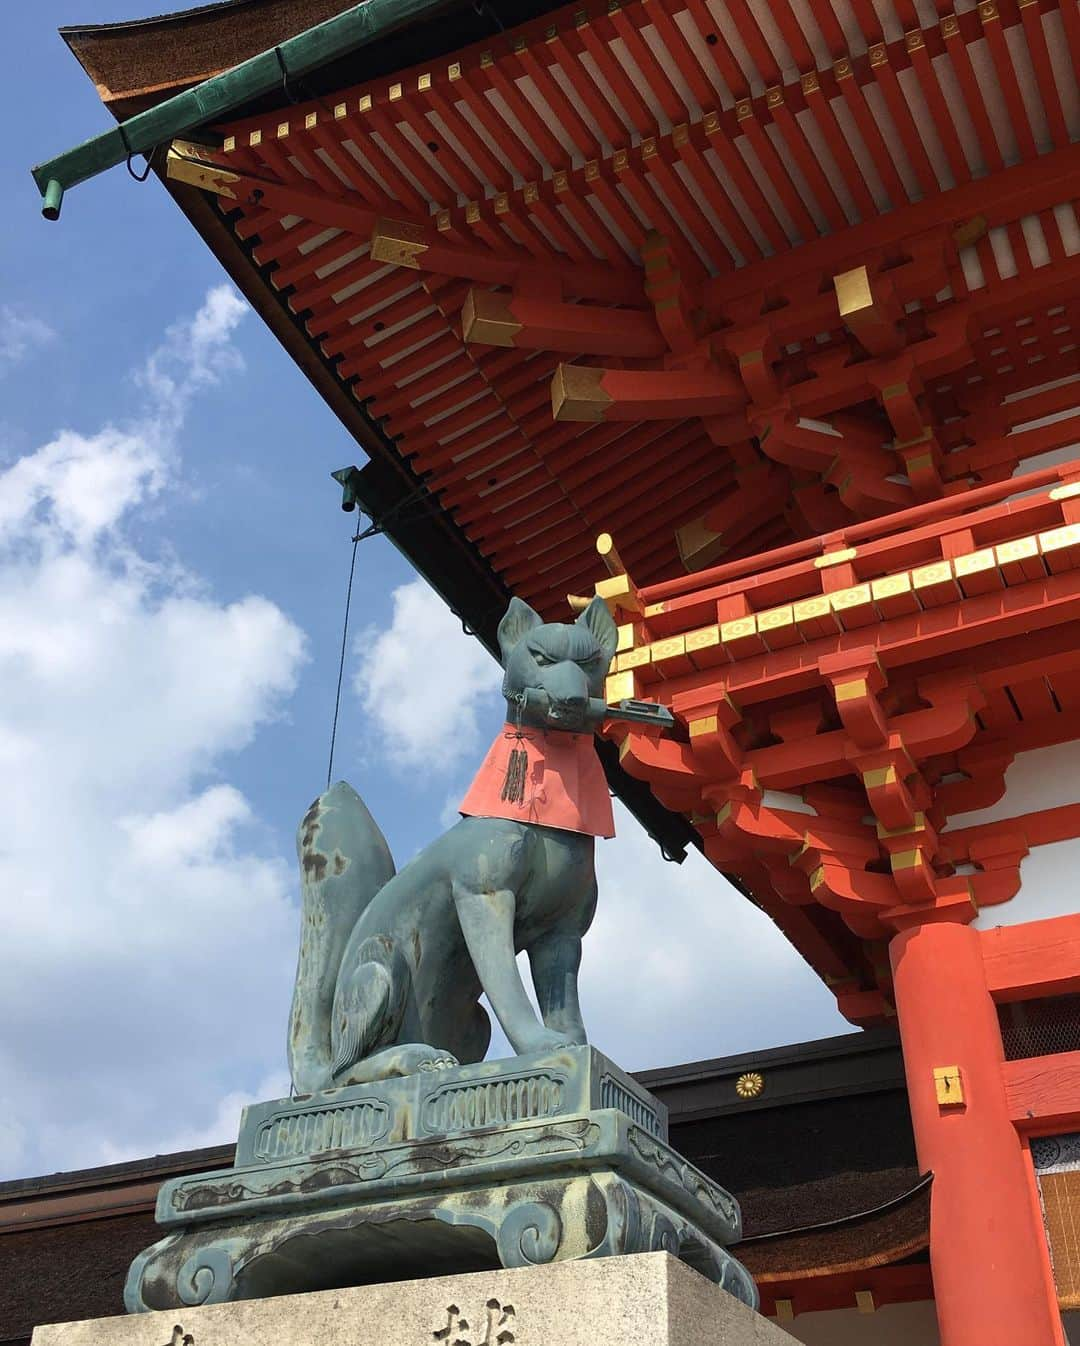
370 531
375 527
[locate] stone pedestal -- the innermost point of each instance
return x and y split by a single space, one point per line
647 1300
514 1163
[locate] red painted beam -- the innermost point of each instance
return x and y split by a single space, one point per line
1041 828
809 1293
1039 958
999 199
530 322
974 623
404 240
903 521
582 393
1042 1093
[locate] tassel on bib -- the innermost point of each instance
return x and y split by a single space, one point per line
513 790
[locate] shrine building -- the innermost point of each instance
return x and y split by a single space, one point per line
759 319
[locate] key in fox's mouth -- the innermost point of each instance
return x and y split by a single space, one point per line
568 715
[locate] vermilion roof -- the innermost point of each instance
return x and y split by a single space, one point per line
433 197
773 145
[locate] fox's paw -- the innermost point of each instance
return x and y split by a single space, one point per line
439 1063
550 1040
406 1058
417 1056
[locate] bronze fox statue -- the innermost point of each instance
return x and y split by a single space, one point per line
392 965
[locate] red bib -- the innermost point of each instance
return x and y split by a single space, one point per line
564 784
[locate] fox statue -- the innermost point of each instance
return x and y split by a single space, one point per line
392 965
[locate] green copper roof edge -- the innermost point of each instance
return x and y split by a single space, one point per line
222 93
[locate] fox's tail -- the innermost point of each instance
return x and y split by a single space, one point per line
344 861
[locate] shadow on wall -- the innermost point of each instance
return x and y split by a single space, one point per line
891 1325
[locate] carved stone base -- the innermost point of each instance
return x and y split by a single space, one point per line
420 1189
651 1299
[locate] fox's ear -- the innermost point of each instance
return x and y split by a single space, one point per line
517 621
597 617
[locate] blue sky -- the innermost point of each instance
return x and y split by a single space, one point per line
172 572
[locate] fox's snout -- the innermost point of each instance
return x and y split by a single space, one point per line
566 686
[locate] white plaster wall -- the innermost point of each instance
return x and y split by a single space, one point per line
1049 886
1042 779
1050 876
891 1325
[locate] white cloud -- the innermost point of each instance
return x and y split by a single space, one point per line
424 684
81 485
680 967
20 334
194 355
222 1128
149 925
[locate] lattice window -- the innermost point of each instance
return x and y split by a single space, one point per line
1061 1210
1040 1027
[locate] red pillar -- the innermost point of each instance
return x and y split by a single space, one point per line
992 1279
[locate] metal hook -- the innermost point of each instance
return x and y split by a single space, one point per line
139 177
284 76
